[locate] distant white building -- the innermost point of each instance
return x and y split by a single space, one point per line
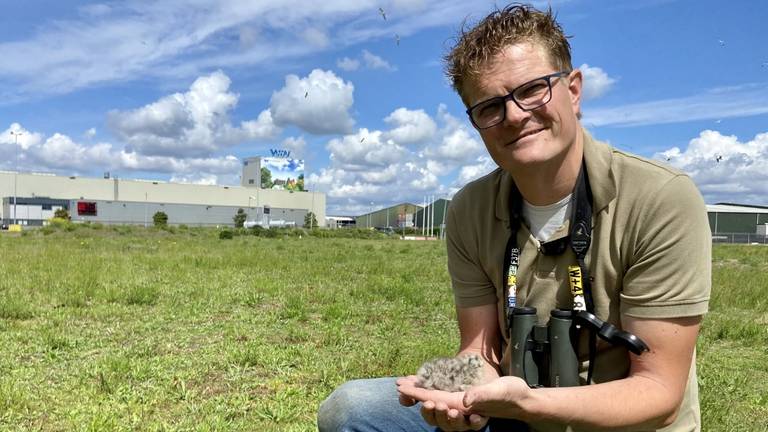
124 201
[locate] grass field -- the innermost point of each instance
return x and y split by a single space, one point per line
133 329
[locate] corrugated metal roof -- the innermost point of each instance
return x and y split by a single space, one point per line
722 208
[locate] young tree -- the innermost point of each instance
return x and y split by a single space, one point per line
160 219
61 213
239 218
266 178
310 221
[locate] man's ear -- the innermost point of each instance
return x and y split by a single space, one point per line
575 82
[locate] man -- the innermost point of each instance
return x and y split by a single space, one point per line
646 266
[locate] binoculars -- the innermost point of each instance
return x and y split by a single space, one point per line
544 356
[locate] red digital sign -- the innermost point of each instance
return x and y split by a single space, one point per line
85 208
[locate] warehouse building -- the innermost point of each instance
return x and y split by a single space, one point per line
433 215
397 216
124 201
738 223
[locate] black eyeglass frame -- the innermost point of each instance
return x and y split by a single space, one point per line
511 95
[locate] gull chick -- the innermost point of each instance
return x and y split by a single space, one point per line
451 373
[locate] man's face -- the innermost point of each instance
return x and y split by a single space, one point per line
526 139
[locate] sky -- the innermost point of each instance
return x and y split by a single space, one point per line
183 91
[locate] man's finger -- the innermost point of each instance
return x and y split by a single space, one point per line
472 396
417 393
477 421
428 413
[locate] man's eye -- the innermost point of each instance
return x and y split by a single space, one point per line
489 109
532 90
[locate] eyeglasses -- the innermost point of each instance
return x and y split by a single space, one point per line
529 96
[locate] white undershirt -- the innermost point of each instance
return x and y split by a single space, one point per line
545 220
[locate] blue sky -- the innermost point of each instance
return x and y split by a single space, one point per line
182 91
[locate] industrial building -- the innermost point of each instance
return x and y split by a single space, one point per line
433 215
126 201
397 216
738 223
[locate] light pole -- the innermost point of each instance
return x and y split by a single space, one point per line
370 215
249 204
16 173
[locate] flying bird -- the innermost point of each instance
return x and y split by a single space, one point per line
718 121
397 39
383 14
306 94
718 158
362 139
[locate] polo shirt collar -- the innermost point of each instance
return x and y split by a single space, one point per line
599 159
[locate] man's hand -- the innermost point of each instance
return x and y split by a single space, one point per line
445 410
498 398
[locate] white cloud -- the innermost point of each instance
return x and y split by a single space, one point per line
316 37
458 143
372 61
17 138
90 133
364 150
318 103
199 179
60 152
742 169
410 126
108 42
295 145
378 165
717 103
482 166
348 64
191 124
95 10
596 82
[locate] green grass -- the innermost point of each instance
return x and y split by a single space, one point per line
132 329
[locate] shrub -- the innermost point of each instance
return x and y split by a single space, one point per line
256 230
59 223
310 221
239 218
61 213
160 219
226 234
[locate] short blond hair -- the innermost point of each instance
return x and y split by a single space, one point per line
477 45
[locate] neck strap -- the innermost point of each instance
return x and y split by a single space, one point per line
580 237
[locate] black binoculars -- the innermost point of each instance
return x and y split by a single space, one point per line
543 356
546 356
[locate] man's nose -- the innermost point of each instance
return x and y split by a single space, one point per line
514 115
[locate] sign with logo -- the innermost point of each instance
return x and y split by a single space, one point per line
282 173
279 153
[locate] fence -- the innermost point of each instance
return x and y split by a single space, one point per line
743 238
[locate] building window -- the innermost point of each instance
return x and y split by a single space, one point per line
250 181
47 207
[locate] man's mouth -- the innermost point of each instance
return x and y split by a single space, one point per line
525 134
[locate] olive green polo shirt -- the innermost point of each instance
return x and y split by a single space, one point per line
650 255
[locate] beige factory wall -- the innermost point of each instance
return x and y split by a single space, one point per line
30 185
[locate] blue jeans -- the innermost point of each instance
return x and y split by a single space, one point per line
371 405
